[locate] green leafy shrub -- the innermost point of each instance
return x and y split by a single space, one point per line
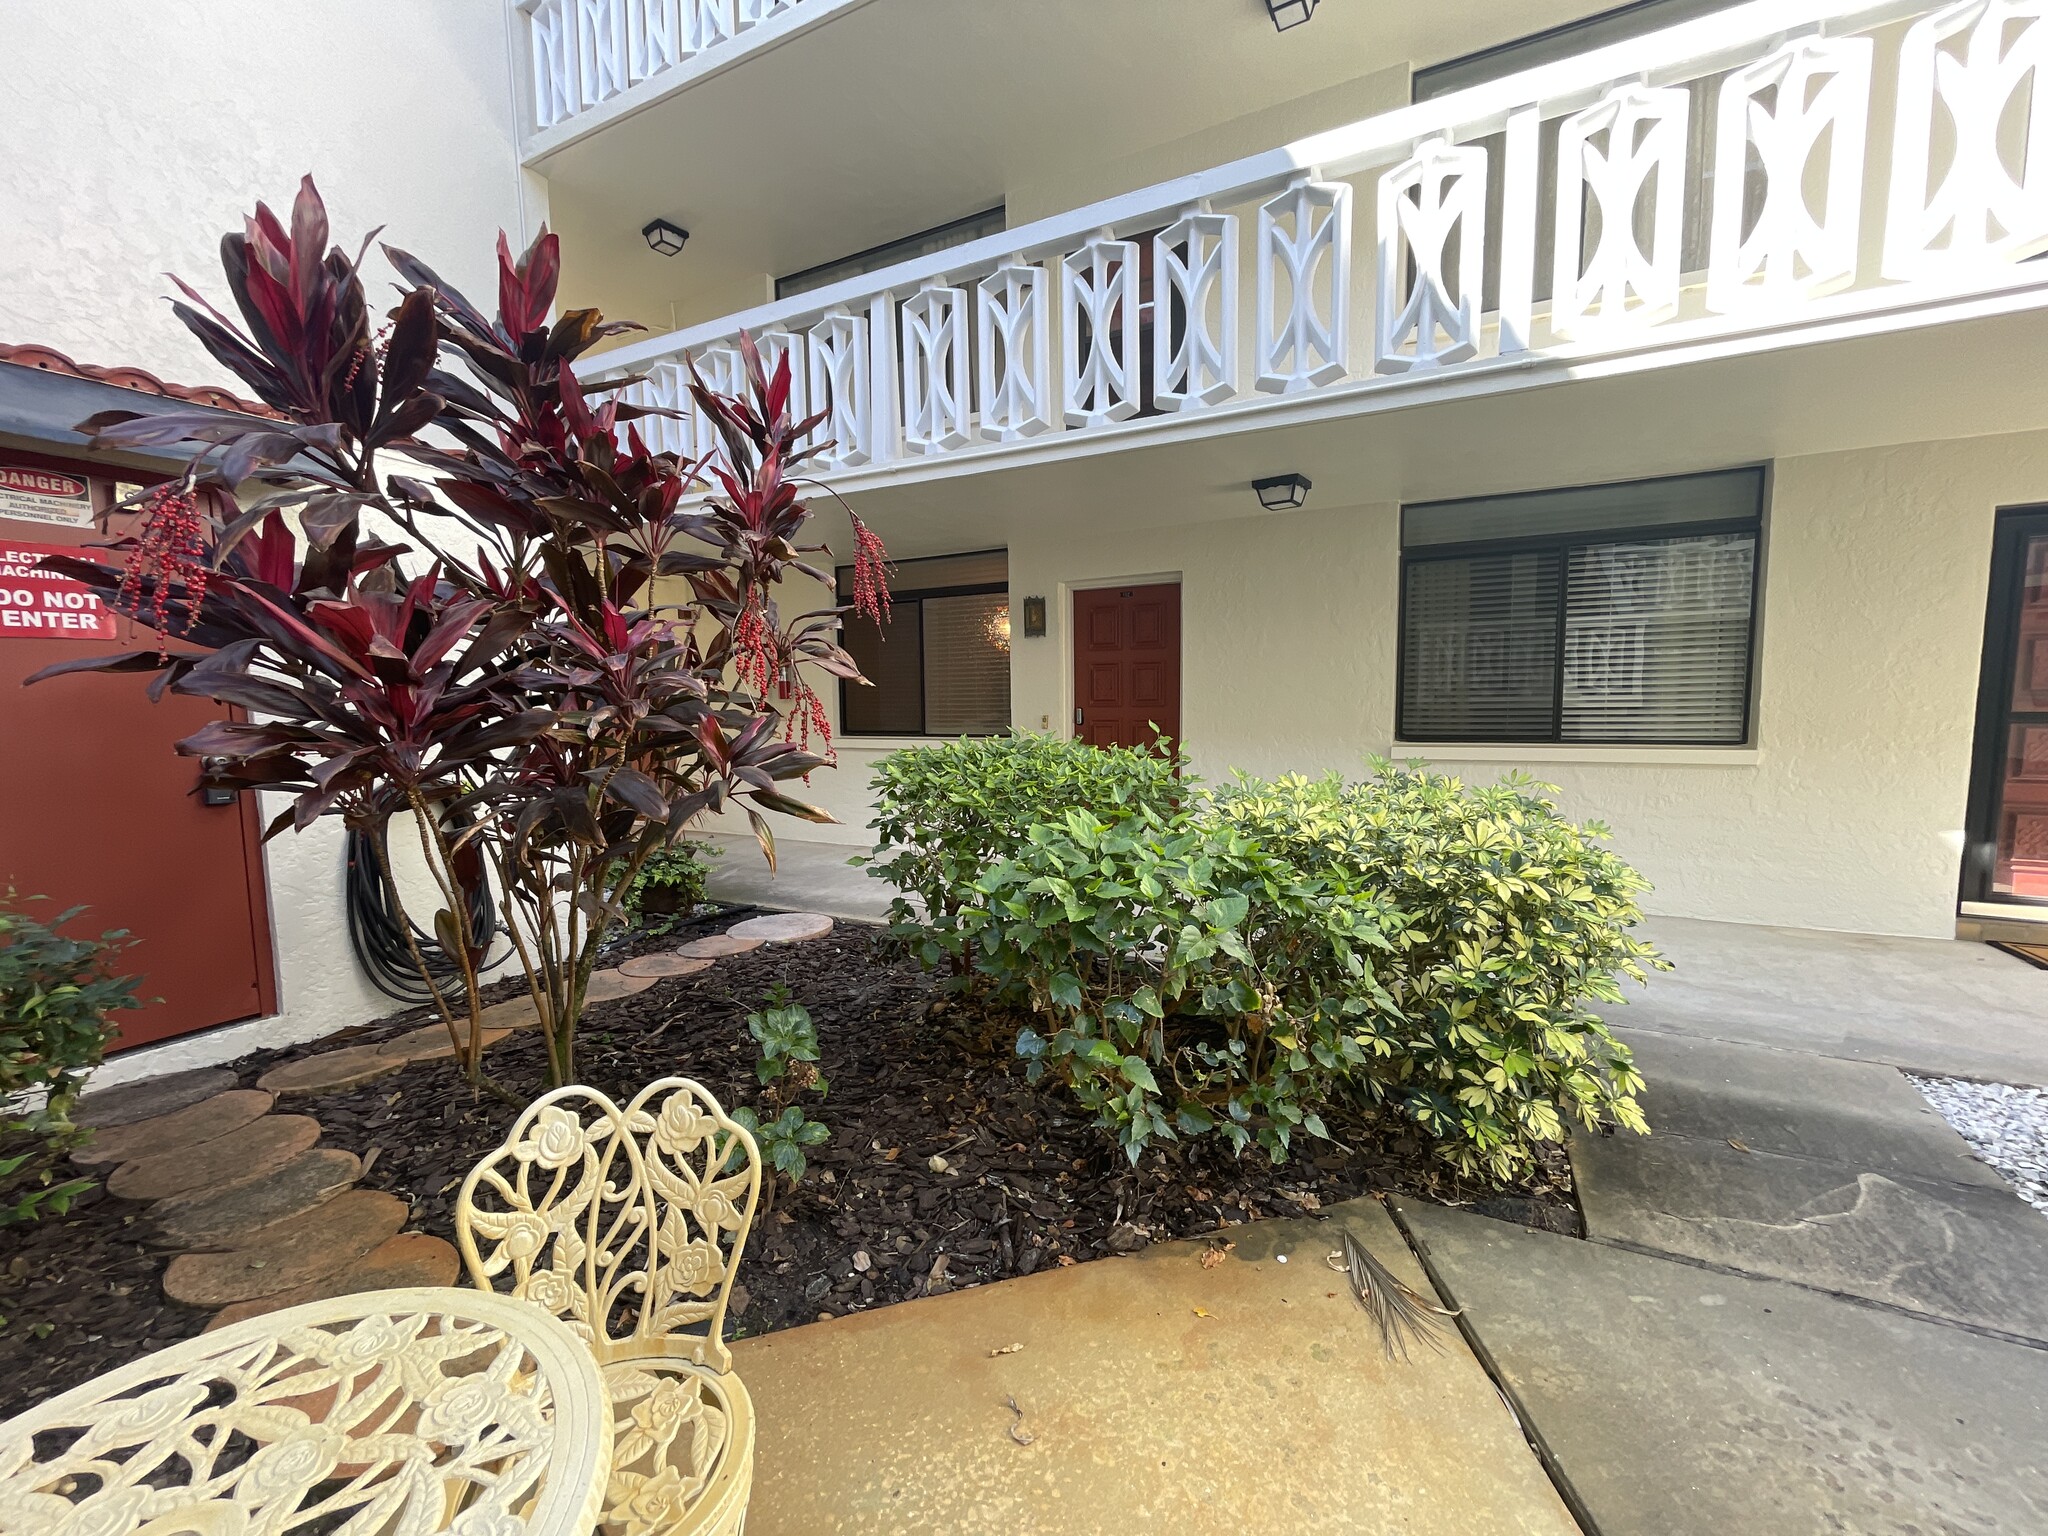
946 813
1514 920
1237 962
669 884
57 996
1193 982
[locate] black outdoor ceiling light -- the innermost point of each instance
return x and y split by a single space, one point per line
1290 13
663 238
1282 493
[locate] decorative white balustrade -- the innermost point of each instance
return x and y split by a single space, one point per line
1575 209
585 52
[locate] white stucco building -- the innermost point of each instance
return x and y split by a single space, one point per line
1650 398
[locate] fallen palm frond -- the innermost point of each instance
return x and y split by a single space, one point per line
1398 1312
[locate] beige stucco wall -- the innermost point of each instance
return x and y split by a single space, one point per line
1848 811
138 131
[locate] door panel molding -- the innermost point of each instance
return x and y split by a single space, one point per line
1126 665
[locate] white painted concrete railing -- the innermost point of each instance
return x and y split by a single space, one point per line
1778 162
584 52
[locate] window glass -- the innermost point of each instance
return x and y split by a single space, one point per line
909 248
941 666
967 664
1726 496
1620 613
1480 648
1575 37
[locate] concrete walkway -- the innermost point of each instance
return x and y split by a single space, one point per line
1804 1306
808 877
1152 1393
1938 1006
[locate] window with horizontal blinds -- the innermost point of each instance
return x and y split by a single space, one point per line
941 665
1480 647
1607 614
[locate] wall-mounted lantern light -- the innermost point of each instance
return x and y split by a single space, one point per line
1290 13
1034 618
1282 493
664 238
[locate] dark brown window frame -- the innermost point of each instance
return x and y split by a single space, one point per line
1564 544
899 597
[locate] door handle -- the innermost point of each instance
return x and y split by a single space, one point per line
1077 714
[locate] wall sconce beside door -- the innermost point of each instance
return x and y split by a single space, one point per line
1034 618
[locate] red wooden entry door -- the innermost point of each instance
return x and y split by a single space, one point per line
97 809
1127 665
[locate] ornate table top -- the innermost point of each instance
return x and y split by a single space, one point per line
389 1413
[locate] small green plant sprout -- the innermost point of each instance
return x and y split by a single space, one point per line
788 1041
57 998
782 1141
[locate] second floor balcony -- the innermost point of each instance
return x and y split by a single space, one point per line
1780 173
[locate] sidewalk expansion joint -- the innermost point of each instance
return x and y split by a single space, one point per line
1979 1329
1532 1433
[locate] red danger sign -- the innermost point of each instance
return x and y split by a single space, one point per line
44 496
36 604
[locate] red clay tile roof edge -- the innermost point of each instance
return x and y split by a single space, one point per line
50 360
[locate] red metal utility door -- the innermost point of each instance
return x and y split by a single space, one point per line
1127 665
97 808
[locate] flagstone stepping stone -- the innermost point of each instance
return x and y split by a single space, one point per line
215 1218
409 1259
260 1147
105 1108
288 1254
716 946
657 966
185 1127
782 927
348 1067
513 1013
609 986
432 1043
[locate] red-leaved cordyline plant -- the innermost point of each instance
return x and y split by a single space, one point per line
525 693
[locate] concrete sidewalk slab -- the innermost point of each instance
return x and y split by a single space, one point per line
808 877
1854 1112
1938 1006
1156 1394
1679 1402
1964 1252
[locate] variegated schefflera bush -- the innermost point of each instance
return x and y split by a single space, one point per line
1245 960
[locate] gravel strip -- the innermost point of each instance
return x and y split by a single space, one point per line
2004 1125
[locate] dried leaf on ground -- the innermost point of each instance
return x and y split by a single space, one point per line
1017 1426
1398 1312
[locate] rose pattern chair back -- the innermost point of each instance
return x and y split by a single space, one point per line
628 1224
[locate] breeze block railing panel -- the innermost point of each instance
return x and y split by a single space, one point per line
1777 164
584 52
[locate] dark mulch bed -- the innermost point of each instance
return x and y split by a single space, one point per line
945 1168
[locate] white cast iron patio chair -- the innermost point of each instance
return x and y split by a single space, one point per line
628 1225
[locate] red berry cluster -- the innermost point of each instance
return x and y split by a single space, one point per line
171 548
870 573
808 716
754 659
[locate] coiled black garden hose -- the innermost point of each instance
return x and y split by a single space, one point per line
379 942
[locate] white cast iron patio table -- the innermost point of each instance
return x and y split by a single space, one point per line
387 1413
